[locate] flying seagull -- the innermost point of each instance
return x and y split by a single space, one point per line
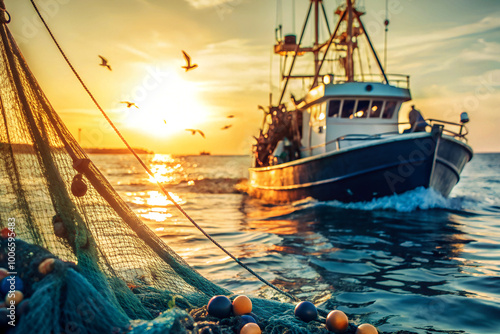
188 62
104 62
193 132
226 127
130 104
230 116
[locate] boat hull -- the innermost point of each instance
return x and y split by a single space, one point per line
363 172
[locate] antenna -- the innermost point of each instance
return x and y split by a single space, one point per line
386 23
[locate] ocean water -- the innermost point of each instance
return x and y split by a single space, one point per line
416 262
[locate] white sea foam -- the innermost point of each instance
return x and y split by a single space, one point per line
417 199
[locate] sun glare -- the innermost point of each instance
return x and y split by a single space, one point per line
168 108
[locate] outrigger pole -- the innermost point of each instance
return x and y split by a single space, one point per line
332 37
351 13
373 49
296 52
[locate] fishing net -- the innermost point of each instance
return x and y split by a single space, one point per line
61 206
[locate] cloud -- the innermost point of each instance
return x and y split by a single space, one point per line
239 65
488 81
200 4
135 51
436 53
486 24
482 50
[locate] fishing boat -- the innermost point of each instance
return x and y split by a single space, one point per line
342 139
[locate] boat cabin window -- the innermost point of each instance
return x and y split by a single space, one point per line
362 109
333 108
390 107
348 108
376 109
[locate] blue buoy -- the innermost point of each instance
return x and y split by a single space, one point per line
11 283
245 319
220 307
306 311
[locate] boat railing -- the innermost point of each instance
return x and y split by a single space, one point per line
398 80
351 137
460 135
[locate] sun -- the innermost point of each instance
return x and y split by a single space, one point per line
167 108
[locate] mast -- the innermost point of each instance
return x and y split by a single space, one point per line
344 41
316 33
349 65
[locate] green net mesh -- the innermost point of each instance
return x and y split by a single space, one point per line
64 207
39 160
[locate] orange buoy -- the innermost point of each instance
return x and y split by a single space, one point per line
46 266
366 329
16 296
242 305
337 321
250 328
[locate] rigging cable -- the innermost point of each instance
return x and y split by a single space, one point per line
386 24
148 170
368 62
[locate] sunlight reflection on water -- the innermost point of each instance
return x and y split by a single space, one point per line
411 262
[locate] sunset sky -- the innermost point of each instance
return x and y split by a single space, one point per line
450 48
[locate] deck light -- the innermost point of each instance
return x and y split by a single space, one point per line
464 117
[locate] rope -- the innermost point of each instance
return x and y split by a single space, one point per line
148 170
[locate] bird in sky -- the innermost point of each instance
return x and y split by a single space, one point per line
104 62
188 62
226 127
130 104
193 132
230 116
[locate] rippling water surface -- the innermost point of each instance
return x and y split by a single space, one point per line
415 262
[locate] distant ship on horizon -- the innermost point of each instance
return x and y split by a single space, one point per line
204 153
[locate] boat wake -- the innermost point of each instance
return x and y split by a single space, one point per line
211 186
415 200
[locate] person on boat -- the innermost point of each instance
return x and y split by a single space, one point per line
417 121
